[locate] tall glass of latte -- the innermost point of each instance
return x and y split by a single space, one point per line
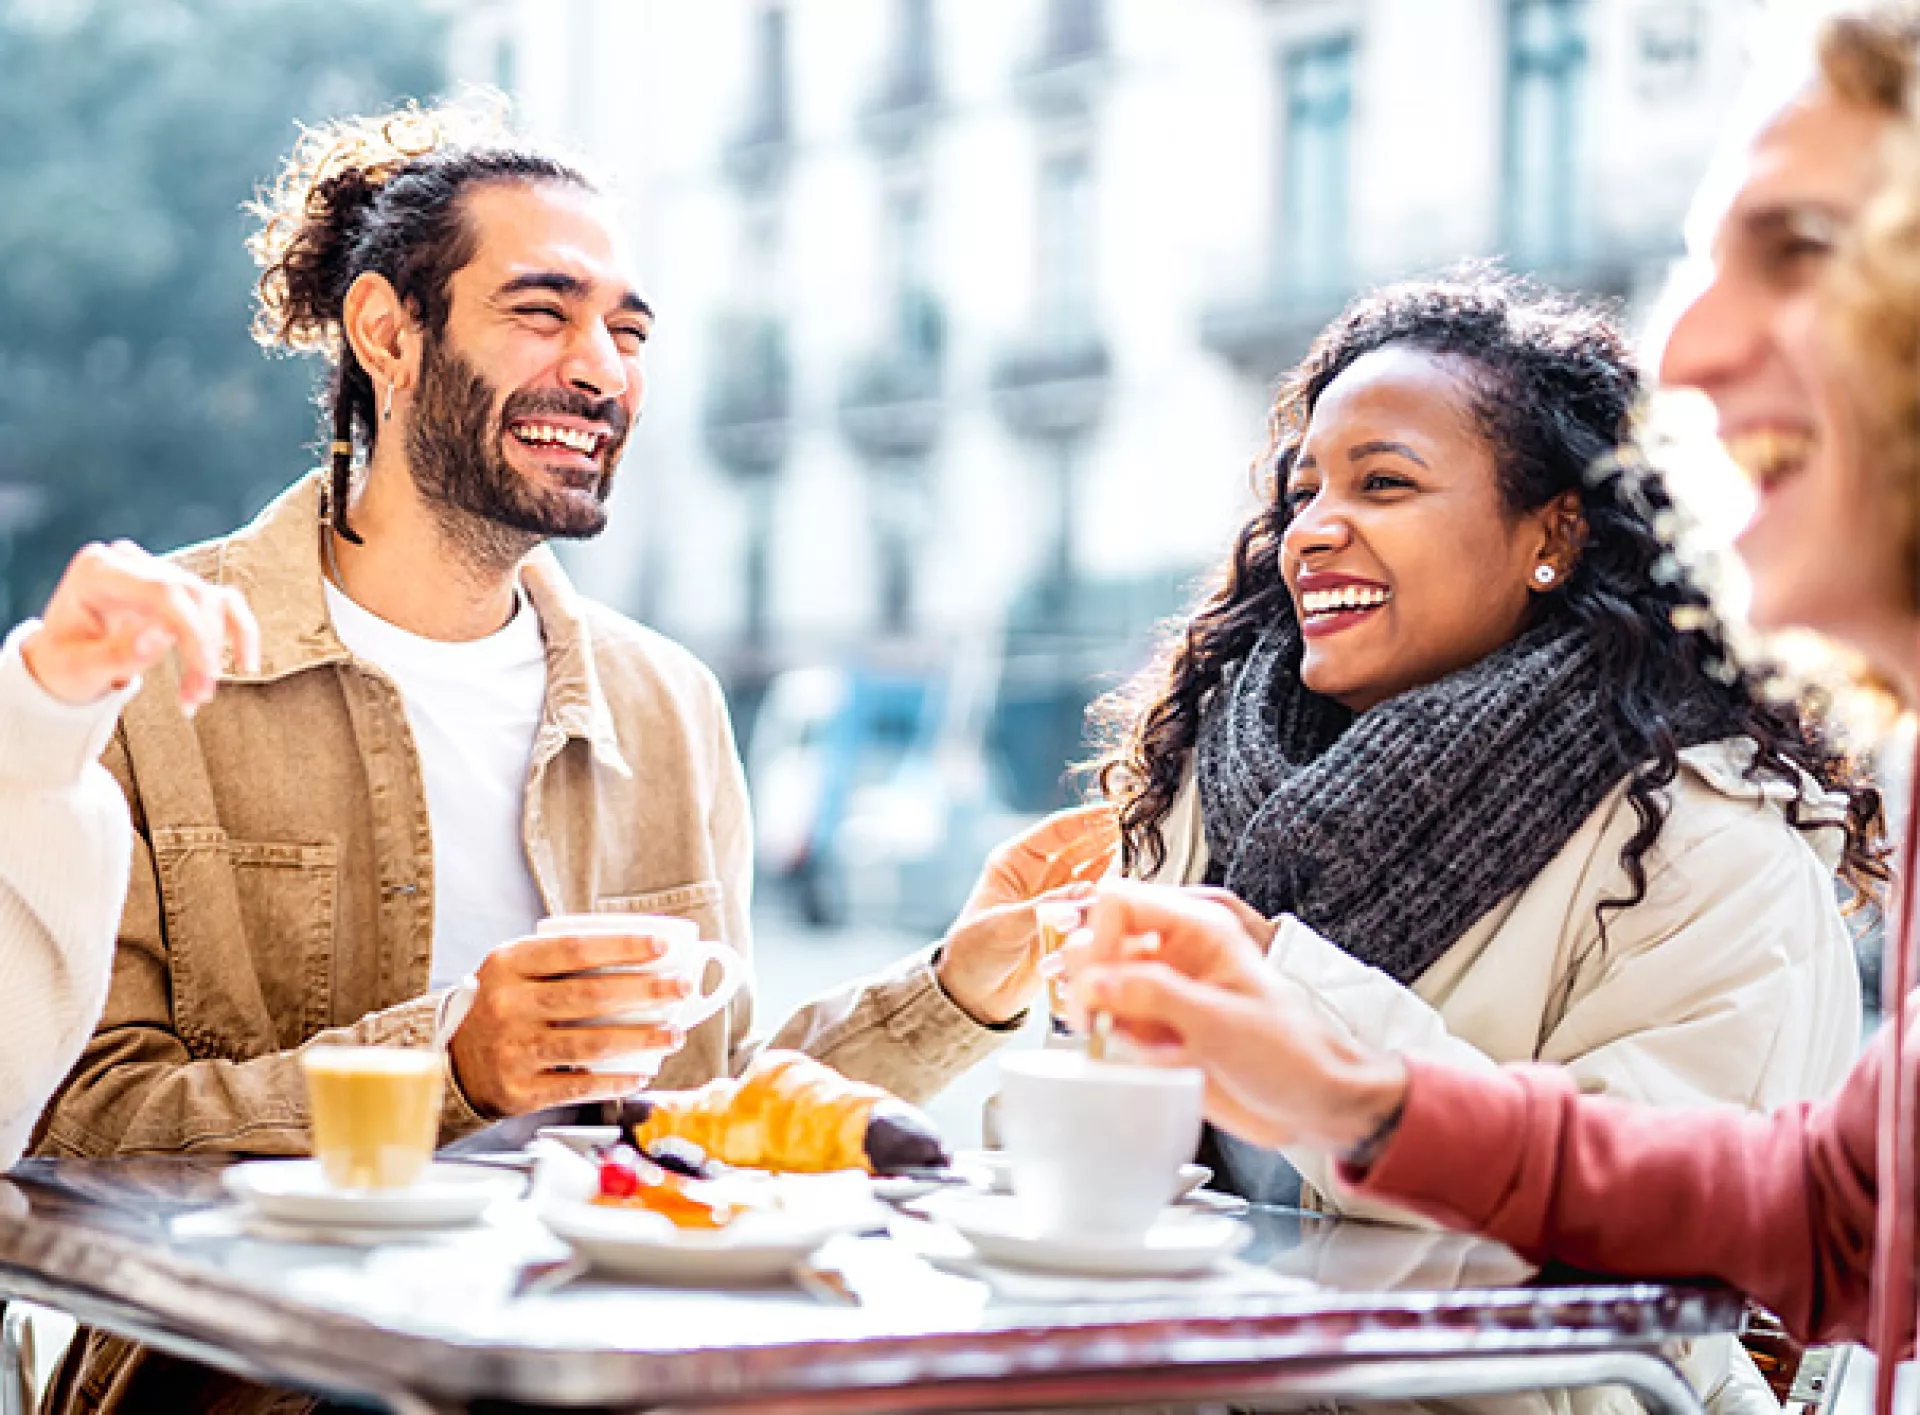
376 1112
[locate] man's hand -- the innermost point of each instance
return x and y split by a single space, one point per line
990 960
1181 975
116 612
524 1043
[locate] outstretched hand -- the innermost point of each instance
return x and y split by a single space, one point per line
117 611
990 959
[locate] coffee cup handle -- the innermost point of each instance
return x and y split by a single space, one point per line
702 1005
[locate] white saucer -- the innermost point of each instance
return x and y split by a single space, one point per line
754 1248
1180 1243
296 1192
997 1167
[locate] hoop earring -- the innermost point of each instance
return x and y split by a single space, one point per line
1543 575
386 413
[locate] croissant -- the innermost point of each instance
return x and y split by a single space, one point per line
789 1112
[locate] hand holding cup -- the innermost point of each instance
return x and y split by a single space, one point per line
586 1009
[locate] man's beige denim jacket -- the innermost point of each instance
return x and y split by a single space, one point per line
282 888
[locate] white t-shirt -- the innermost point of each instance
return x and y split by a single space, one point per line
474 709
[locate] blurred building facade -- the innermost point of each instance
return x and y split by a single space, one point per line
970 312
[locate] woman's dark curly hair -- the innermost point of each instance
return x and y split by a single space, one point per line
1553 388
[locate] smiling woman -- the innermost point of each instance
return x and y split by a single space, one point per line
1458 720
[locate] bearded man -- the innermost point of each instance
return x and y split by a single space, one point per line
442 741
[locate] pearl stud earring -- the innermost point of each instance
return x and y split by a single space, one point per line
1543 575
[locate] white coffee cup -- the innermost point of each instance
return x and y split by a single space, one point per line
1096 1146
684 955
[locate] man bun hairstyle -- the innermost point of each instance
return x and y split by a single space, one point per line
380 195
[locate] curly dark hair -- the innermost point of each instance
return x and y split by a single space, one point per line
1553 389
381 194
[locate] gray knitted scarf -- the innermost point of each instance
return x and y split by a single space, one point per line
1392 832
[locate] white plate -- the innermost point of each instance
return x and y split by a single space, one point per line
1180 1243
581 1139
754 1248
997 1167
296 1192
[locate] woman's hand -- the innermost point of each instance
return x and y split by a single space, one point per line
1259 927
990 960
1183 976
117 611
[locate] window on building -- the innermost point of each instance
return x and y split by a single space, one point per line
911 82
1546 76
1668 41
1065 246
1316 127
770 110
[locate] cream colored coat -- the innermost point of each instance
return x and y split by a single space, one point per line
1732 982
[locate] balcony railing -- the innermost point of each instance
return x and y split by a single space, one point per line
758 154
1053 387
750 397
908 99
1076 31
905 107
1264 334
890 405
1067 70
1267 332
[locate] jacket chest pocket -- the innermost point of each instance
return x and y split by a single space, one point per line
699 901
285 897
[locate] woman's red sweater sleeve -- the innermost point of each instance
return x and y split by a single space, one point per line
1780 1206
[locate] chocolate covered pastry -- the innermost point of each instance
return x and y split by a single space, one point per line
791 1113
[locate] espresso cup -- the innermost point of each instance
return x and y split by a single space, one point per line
1095 1147
684 955
375 1112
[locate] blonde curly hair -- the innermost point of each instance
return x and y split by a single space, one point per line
1872 57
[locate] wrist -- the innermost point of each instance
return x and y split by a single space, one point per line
988 1012
45 676
1373 1098
463 1082
40 655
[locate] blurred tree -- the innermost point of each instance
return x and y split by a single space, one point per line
132 400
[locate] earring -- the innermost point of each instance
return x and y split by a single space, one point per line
1543 575
386 413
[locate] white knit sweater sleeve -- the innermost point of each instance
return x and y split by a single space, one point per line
64 851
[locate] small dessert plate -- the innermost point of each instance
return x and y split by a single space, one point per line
997 1168
1181 1243
297 1192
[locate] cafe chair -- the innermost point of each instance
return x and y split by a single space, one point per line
32 1340
1804 1379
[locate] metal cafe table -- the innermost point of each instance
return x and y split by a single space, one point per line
1319 1310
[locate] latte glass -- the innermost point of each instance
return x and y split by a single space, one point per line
375 1110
